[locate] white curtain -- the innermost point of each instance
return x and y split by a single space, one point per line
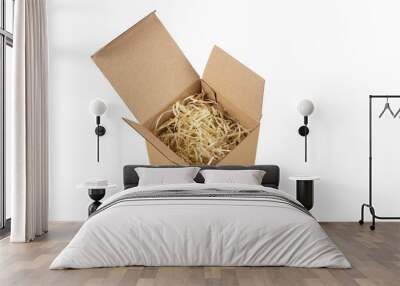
28 123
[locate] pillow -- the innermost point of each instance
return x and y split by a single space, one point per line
163 176
247 177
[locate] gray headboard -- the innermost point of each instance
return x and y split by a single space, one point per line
271 177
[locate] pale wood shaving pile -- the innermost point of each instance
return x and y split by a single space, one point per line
199 130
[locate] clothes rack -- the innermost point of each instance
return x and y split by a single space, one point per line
370 204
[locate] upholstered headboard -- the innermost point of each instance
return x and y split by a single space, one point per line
271 177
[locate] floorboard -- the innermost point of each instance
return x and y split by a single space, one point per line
375 257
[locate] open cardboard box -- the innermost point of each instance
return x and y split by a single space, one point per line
150 73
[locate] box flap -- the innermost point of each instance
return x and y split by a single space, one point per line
231 79
156 143
155 157
146 67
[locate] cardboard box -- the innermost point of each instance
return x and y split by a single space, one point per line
150 73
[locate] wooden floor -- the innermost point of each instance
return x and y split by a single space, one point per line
375 257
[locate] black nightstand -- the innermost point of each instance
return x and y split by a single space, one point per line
96 193
305 190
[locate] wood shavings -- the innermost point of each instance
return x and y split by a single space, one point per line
199 130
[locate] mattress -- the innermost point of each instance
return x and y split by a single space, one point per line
201 225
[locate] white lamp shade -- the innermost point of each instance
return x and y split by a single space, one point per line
97 107
305 107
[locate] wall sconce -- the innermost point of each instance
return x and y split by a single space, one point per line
97 107
305 108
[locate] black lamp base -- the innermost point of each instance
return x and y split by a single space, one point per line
96 195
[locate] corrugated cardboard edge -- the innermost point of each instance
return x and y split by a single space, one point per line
230 78
107 46
155 142
156 157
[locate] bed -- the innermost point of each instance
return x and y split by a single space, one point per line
198 224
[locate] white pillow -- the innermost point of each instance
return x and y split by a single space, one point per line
247 177
163 176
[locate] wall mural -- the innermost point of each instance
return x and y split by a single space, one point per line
185 119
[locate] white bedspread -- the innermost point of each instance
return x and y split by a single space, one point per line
199 231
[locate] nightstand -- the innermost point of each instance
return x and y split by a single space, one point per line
305 190
96 193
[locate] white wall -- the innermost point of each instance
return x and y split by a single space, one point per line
332 52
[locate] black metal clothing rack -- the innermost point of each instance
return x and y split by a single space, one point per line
370 205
